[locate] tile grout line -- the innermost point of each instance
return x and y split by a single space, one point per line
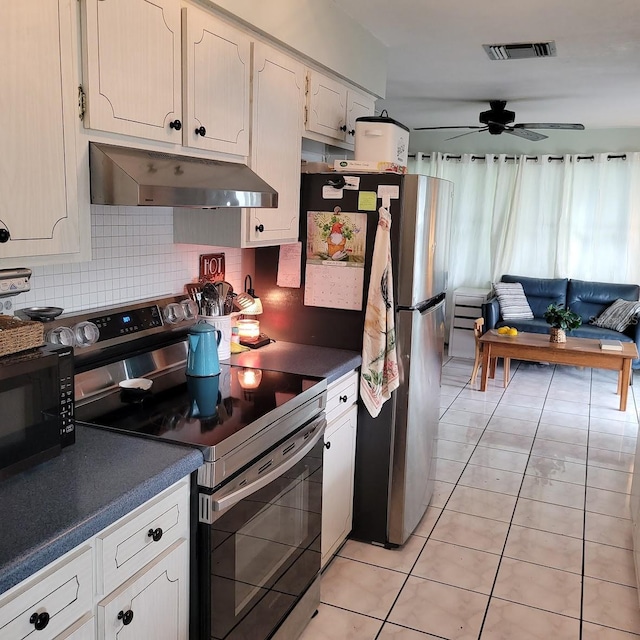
515 506
386 619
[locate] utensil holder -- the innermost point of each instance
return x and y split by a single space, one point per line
223 324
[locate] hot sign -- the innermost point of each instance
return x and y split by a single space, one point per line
211 267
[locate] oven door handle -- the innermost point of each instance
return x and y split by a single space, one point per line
236 496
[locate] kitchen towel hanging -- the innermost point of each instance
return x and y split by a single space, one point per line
379 375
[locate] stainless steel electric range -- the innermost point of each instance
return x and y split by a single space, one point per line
260 487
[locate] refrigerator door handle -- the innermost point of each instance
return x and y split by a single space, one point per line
426 305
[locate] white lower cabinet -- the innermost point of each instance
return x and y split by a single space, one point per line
45 606
153 604
84 629
339 463
140 590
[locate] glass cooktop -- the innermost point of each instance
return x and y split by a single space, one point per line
206 411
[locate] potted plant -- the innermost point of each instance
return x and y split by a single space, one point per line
561 320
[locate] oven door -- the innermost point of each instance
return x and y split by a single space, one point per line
259 544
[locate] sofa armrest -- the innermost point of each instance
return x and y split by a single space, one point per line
634 331
491 313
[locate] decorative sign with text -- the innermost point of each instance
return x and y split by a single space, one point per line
211 267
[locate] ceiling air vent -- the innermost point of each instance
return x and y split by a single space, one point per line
520 50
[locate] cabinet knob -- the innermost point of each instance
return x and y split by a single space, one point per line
259 228
343 398
201 131
176 124
352 132
4 235
156 534
39 621
327 445
126 617
343 127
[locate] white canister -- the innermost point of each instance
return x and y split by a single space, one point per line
223 324
381 139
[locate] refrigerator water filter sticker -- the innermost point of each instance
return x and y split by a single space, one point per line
334 273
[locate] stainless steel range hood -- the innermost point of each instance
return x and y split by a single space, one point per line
125 176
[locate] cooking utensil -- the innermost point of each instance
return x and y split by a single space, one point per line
193 290
44 314
210 305
244 301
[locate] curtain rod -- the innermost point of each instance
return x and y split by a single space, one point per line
612 156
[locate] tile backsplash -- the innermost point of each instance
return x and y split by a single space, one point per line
133 258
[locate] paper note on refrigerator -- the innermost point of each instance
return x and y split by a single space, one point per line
289 266
334 274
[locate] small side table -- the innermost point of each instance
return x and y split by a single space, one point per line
467 306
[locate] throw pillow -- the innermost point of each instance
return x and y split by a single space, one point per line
513 303
619 315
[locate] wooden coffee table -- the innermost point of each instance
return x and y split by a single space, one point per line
580 352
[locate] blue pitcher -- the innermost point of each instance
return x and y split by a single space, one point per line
202 358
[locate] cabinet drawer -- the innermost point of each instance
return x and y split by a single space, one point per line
61 595
464 323
128 545
341 394
470 300
153 604
467 312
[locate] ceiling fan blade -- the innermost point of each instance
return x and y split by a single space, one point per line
525 133
549 125
480 129
454 127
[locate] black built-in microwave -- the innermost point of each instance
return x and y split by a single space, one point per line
36 407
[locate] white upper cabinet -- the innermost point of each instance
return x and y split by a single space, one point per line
217 77
326 106
332 108
276 143
358 106
39 213
275 149
132 67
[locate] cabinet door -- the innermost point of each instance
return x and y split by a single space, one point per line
153 604
132 67
276 141
217 74
337 487
358 106
84 629
53 600
38 166
326 106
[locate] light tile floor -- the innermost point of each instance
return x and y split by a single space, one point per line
528 535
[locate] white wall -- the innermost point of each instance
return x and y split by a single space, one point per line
133 258
319 30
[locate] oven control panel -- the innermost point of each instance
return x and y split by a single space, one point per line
123 323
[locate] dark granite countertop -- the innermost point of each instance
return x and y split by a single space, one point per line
320 362
57 505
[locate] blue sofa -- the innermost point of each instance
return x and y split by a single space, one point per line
587 299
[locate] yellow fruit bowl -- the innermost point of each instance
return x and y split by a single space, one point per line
509 332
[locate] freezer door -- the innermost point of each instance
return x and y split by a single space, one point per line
422 249
420 350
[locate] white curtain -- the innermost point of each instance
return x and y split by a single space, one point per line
542 216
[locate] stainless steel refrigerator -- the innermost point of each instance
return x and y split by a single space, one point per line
394 451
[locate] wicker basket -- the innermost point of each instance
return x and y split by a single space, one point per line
19 335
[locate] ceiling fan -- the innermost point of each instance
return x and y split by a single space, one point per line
498 120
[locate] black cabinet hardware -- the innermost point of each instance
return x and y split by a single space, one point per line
176 124
39 621
156 534
259 228
126 617
201 131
